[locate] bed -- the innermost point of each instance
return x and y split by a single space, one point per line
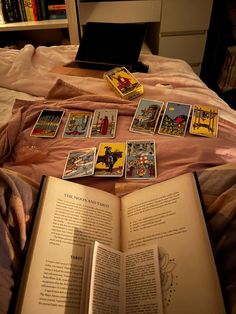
28 85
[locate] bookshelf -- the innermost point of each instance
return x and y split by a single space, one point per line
33 28
33 25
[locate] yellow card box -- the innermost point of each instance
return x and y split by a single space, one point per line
124 83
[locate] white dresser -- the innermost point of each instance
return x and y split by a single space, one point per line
183 30
178 28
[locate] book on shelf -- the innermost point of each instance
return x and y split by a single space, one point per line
23 10
56 9
165 219
8 11
2 17
16 10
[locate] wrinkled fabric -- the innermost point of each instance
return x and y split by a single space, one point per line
17 202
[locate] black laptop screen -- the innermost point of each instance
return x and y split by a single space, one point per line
111 43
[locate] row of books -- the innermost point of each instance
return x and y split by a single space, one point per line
31 10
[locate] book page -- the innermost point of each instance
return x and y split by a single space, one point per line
106 285
125 282
170 212
69 216
142 281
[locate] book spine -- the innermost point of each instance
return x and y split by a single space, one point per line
8 11
22 10
43 9
27 13
16 10
38 10
31 13
2 16
35 16
57 11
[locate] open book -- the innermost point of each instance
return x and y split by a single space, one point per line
71 216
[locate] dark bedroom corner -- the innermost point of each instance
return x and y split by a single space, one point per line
221 36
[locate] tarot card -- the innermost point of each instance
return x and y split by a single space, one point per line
146 116
47 123
175 119
104 123
110 160
204 121
80 163
124 83
140 160
78 124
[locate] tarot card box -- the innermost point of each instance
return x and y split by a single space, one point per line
124 83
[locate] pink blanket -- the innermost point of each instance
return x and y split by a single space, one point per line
27 70
36 156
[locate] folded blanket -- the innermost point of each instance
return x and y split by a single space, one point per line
17 201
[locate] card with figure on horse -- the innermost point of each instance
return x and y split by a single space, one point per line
110 160
80 163
204 121
175 119
78 124
140 160
104 123
146 116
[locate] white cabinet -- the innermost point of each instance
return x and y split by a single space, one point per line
178 28
183 30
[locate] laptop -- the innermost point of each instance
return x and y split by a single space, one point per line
105 46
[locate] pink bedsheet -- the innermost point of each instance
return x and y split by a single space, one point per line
27 70
37 156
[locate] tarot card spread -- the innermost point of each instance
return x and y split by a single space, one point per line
204 121
140 160
146 116
47 123
175 119
110 160
78 124
104 123
80 163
